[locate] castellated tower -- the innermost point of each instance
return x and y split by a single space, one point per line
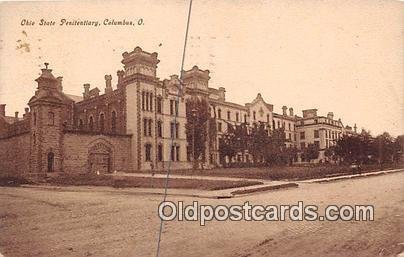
46 124
139 63
141 87
196 81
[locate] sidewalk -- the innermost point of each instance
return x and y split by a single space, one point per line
197 193
148 175
365 174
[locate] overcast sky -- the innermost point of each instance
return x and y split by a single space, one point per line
339 56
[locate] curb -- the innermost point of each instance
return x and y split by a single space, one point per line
264 188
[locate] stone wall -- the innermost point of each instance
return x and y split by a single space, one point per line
76 150
15 154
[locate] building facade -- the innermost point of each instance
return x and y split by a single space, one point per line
139 124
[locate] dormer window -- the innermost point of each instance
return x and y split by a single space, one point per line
51 118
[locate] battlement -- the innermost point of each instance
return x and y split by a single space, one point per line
141 62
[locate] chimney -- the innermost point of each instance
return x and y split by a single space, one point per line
222 92
86 90
330 115
291 111
59 83
355 128
2 110
16 116
108 86
26 112
284 109
120 77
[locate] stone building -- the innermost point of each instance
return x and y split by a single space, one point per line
138 124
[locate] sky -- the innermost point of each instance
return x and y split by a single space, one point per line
339 56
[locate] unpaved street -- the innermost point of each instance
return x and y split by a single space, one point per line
68 222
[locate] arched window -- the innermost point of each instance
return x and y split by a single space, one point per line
102 121
51 118
51 158
91 123
113 121
159 129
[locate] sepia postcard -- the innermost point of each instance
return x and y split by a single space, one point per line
202 128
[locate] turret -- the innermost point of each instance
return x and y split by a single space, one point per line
108 86
291 112
139 62
196 80
284 109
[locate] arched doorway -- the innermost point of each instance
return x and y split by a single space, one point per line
51 161
100 158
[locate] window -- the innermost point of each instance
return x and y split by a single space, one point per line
237 116
229 127
174 128
316 134
295 137
159 129
151 102
113 121
279 124
173 107
148 152
177 153
254 115
268 118
302 135
102 120
34 118
245 118
143 100
228 115
172 155
176 108
317 144
159 105
91 123
51 118
150 127
219 114
147 101
219 126
273 124
145 127
290 136
290 127
160 153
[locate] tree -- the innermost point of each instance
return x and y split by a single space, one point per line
275 153
310 152
234 141
197 113
258 142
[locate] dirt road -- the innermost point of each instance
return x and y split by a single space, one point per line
40 222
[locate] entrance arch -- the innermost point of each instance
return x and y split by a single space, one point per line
51 161
100 158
